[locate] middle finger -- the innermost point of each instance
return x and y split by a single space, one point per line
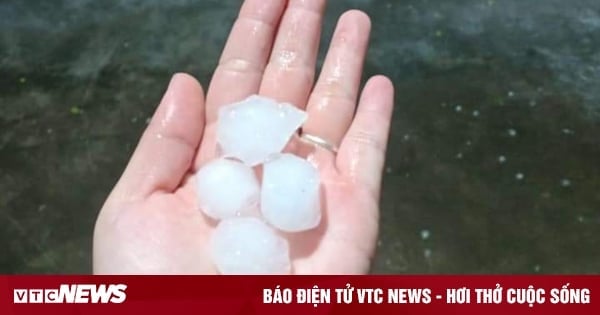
289 75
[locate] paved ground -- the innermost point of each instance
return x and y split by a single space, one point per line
494 163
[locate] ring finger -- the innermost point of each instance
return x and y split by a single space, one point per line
333 101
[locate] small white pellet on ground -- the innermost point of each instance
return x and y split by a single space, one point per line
249 246
227 188
290 199
256 128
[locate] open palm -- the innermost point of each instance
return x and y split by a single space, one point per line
151 223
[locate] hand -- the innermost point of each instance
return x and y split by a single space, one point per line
151 224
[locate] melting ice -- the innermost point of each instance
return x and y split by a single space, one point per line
249 246
290 194
227 188
256 128
250 133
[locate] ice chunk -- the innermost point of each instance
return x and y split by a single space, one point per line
227 188
249 246
290 199
256 128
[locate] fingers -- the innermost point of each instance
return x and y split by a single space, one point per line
289 75
242 64
168 145
332 102
245 55
362 153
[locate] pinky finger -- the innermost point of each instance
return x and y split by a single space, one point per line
362 153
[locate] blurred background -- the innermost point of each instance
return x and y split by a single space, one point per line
494 158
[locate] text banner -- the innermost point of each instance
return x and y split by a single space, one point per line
300 294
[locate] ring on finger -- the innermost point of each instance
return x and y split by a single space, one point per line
318 141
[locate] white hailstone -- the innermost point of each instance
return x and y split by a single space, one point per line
425 234
227 188
567 131
290 199
246 245
565 182
256 128
427 253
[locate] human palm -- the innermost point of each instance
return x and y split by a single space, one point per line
151 222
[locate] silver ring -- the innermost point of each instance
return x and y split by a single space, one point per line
319 141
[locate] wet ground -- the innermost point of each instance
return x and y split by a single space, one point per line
494 160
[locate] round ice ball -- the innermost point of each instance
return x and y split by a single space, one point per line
290 199
227 188
247 245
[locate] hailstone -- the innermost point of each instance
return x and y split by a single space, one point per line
290 198
256 128
246 245
227 188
